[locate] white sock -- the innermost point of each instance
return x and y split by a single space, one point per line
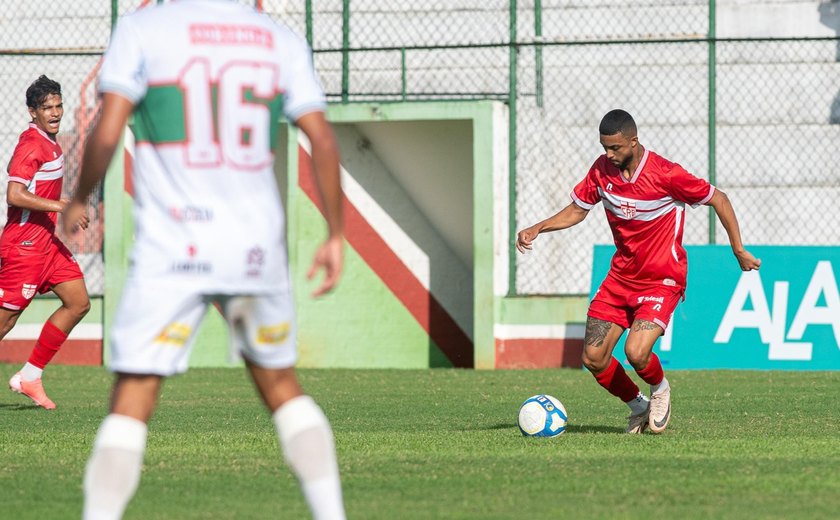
30 372
661 387
309 449
638 404
113 470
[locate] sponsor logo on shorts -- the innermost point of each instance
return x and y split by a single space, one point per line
669 282
272 334
28 290
175 334
657 299
26 243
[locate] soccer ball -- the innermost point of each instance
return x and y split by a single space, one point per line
542 416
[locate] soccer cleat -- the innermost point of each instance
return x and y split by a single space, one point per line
638 422
660 411
31 389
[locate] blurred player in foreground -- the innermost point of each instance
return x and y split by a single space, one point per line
644 197
32 259
207 82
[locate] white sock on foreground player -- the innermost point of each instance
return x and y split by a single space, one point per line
113 471
309 449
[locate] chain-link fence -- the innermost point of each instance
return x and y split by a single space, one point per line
64 41
742 92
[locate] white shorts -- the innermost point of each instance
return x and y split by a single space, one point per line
156 325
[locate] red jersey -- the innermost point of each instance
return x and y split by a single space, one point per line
37 163
646 216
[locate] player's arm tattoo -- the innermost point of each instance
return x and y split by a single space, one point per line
596 332
644 325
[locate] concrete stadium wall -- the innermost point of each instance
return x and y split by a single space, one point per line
558 140
426 237
773 106
426 227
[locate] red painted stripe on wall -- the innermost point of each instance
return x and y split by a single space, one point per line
538 353
72 352
128 177
422 305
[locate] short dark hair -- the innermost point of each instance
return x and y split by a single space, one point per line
617 121
38 91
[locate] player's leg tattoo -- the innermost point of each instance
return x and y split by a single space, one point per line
640 342
596 332
639 325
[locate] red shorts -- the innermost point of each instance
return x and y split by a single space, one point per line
24 274
622 303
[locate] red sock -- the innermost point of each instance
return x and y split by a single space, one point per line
652 374
617 382
47 345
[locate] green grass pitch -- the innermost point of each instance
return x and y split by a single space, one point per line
428 444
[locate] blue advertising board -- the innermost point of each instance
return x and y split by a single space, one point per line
785 316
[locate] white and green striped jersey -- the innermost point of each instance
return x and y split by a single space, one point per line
210 80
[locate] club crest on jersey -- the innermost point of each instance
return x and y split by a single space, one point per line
628 208
28 290
255 261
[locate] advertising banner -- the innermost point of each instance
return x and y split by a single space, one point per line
785 316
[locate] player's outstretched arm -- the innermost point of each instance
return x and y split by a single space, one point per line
18 196
327 171
726 213
99 150
565 218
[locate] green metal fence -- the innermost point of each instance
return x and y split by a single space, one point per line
742 93
753 109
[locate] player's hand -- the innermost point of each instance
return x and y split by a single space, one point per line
330 258
747 261
525 237
74 217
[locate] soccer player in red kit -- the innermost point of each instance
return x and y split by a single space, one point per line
32 259
644 197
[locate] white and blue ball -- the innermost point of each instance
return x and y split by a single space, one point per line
542 416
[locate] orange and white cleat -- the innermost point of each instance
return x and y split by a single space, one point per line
31 389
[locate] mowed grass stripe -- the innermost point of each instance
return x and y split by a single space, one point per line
420 444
